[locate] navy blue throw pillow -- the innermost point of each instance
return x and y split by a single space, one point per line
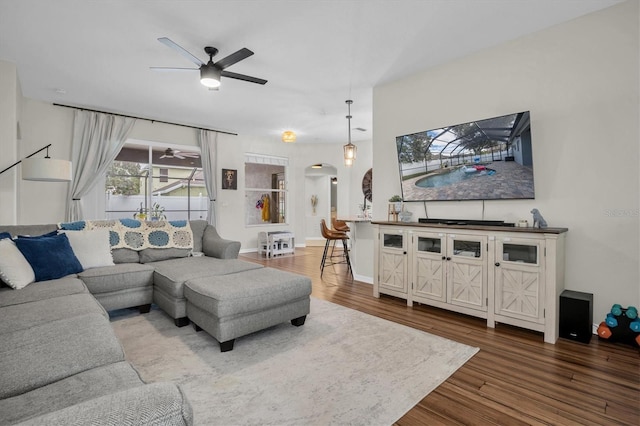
4 235
50 257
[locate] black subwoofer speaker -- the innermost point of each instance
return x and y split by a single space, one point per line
576 315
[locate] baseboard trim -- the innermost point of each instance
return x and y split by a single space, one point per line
363 278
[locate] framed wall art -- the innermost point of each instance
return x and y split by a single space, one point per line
229 179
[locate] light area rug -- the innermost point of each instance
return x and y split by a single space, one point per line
341 367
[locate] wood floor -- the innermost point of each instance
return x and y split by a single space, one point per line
515 378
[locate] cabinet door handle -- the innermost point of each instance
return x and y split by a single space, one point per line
497 263
444 257
404 252
448 258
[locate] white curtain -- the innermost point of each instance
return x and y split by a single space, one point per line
97 140
208 141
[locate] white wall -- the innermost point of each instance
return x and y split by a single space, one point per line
9 92
43 123
580 82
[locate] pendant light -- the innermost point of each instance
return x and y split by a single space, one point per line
349 149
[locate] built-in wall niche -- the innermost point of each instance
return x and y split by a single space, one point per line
265 189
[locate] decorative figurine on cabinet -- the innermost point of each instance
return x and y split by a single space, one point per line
538 220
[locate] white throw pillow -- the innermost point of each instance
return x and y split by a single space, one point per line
14 268
92 248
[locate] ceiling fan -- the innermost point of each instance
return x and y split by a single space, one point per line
171 153
210 72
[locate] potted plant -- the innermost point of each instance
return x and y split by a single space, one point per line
397 203
157 212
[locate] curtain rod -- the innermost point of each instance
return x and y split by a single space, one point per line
147 119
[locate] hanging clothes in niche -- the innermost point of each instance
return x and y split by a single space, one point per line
266 212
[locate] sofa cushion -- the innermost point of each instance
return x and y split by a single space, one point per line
154 404
42 290
92 248
198 227
72 390
215 246
125 255
27 315
72 345
170 275
15 271
158 254
50 257
245 292
118 277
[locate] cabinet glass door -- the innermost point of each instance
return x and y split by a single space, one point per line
429 271
522 253
429 244
393 261
466 271
393 240
467 248
518 279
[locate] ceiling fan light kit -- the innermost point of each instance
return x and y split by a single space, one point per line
210 73
349 149
210 77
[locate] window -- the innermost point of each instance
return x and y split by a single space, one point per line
152 183
265 189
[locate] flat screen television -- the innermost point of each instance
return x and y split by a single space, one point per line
487 159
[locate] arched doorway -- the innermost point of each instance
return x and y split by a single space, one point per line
321 182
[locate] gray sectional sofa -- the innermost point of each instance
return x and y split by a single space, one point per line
60 362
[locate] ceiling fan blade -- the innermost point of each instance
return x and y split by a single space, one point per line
241 54
163 156
243 77
180 50
178 156
173 69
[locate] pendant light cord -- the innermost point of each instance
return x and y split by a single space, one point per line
349 102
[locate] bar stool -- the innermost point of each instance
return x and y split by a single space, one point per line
333 235
340 225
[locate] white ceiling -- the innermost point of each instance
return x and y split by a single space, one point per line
314 54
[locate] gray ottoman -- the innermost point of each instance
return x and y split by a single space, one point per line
234 305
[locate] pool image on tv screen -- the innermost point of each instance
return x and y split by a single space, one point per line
487 159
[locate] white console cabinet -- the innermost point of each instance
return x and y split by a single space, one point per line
502 274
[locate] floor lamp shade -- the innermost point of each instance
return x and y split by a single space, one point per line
46 169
